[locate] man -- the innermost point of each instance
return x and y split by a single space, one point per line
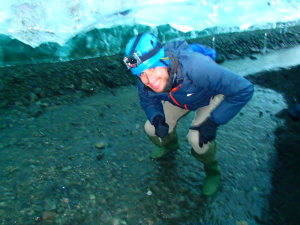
174 80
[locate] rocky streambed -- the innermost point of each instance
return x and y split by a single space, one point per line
73 151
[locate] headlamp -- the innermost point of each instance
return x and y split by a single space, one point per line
132 61
135 57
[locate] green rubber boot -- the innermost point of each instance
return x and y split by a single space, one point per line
165 145
212 180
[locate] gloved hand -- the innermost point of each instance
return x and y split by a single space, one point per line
161 127
207 131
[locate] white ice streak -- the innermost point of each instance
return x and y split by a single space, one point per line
37 21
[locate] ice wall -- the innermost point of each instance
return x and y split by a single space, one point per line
38 30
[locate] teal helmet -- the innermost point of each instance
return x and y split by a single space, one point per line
143 52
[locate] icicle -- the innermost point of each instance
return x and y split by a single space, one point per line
265 43
213 42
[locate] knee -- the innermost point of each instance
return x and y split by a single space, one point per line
149 128
193 139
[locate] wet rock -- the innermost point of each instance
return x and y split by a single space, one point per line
1 144
75 123
100 156
92 197
44 104
140 159
60 147
33 97
29 212
294 110
35 110
119 222
100 145
70 86
39 92
231 56
71 157
2 212
88 71
66 200
220 59
67 168
149 193
253 57
38 219
242 222
1 86
87 87
12 169
50 204
3 103
254 50
3 204
48 216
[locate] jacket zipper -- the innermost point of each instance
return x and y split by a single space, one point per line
174 100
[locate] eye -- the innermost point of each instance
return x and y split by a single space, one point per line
142 74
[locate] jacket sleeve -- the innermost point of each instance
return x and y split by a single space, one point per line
237 90
151 105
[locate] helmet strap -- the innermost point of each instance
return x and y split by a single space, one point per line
148 55
135 43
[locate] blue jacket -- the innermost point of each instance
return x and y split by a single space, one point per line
197 78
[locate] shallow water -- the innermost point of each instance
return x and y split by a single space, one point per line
87 163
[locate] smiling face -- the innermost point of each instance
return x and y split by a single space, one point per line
155 78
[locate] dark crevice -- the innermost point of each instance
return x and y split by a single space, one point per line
284 199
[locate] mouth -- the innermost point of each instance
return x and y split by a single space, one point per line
156 85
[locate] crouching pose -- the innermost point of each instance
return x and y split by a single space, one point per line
173 80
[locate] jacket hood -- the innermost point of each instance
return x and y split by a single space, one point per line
176 46
172 51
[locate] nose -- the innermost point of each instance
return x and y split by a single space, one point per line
147 77
151 78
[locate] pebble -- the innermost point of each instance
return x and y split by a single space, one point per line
92 197
38 92
33 97
88 71
50 204
242 222
35 110
48 215
60 147
67 168
100 156
140 159
2 204
115 221
100 145
12 169
255 50
252 57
